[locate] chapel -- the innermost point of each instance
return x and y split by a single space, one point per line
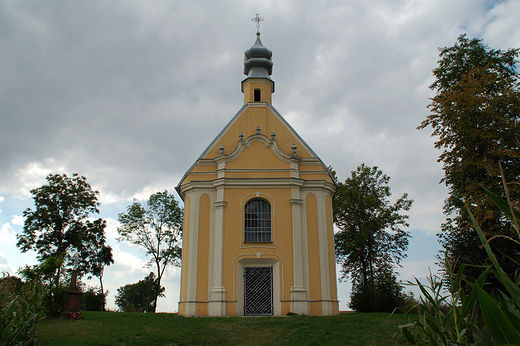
258 228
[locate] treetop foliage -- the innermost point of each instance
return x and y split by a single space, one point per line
155 226
469 54
59 223
476 116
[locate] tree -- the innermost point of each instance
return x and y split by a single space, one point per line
156 227
59 227
141 296
94 299
476 116
371 239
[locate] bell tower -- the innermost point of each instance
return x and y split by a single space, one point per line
258 67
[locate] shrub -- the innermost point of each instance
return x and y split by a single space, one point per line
139 296
94 299
386 296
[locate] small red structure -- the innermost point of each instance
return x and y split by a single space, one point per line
73 300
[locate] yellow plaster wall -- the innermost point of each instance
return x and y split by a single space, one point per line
247 122
185 253
204 168
203 256
231 308
259 174
257 156
321 176
311 168
199 177
314 258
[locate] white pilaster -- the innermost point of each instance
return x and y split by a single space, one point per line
191 287
299 302
324 254
217 293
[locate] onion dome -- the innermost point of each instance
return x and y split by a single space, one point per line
257 60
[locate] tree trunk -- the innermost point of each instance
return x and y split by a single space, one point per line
158 286
372 281
102 290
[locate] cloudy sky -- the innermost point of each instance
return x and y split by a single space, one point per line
129 93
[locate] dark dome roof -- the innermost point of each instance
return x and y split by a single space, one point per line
257 60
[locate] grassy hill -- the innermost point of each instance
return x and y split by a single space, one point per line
113 328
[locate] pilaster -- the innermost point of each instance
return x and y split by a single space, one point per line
299 302
217 294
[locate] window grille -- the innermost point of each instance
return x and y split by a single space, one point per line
257 220
258 291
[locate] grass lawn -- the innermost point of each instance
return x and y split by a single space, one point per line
115 328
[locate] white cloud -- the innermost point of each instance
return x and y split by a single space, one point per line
30 175
111 229
18 220
7 235
5 266
125 262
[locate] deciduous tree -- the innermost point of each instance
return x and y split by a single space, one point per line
157 228
372 239
475 116
59 226
141 296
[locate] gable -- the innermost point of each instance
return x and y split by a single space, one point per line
247 120
253 120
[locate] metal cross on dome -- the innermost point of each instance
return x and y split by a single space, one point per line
257 20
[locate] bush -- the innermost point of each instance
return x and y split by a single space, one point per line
47 274
94 299
386 296
139 296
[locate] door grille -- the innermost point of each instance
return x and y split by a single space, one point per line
258 287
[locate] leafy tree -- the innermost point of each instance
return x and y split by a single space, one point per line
475 115
53 286
141 296
372 239
59 227
156 227
94 299
385 291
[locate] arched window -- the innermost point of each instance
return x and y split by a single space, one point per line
257 217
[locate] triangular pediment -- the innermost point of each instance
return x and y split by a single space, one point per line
257 137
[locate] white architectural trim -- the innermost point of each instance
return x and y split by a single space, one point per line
191 294
265 260
324 254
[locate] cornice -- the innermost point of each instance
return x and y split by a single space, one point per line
241 183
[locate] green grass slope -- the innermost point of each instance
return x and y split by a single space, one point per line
113 328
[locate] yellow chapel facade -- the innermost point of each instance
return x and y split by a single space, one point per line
258 227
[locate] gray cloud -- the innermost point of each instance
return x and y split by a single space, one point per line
130 93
